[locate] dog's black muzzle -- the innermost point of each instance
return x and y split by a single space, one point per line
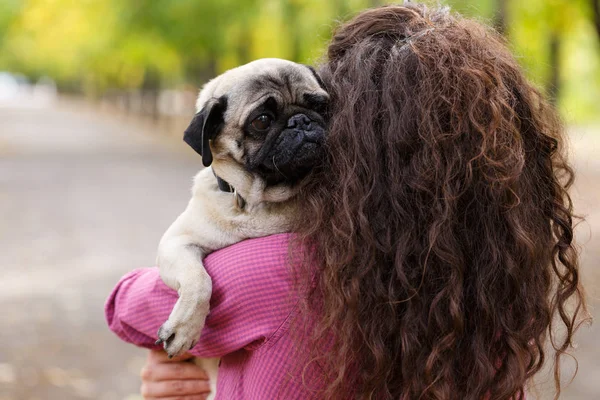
297 149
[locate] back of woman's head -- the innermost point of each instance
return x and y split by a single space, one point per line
441 222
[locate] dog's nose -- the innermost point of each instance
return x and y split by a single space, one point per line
300 121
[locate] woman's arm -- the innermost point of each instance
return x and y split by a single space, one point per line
252 297
138 304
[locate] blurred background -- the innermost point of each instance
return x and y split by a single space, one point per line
94 97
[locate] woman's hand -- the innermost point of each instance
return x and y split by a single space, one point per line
176 378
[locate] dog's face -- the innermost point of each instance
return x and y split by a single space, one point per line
267 117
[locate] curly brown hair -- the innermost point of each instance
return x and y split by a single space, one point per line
441 222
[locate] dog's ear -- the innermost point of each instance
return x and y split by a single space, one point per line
316 75
205 126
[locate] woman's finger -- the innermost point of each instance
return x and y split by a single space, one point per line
160 356
177 388
192 397
173 371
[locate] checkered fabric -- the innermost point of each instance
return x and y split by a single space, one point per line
252 304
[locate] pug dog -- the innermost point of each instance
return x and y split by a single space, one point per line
260 130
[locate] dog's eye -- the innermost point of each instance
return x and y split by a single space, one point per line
262 122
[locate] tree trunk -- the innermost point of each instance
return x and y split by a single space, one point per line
150 89
596 8
291 14
341 9
244 44
500 17
554 84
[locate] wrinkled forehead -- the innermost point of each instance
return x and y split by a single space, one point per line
287 88
249 86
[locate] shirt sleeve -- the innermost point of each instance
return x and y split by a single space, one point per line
252 297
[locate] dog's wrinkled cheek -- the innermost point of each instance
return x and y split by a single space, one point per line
251 149
229 145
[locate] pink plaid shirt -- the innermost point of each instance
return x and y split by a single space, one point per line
248 326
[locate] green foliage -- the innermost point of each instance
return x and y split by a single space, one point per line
95 45
483 9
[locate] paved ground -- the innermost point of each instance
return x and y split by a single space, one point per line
84 198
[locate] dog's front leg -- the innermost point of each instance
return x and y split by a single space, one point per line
181 269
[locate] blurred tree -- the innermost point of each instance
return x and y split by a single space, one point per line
538 30
486 9
291 16
596 11
341 8
501 16
91 45
9 10
554 83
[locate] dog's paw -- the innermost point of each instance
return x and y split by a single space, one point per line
178 338
182 329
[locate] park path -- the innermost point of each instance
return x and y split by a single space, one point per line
84 198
